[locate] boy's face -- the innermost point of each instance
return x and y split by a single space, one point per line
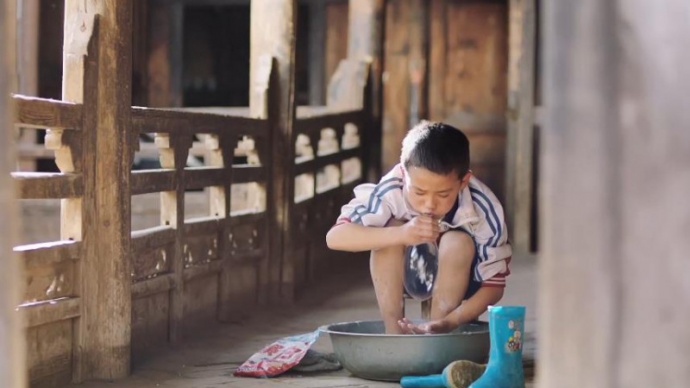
431 193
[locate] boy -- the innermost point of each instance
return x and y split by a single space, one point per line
430 197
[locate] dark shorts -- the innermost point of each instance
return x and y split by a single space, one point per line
421 267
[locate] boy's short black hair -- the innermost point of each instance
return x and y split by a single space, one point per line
437 147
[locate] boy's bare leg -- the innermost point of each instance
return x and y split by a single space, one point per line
456 252
386 267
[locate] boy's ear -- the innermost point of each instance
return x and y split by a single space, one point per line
466 177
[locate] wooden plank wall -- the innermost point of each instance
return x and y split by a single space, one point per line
614 291
447 61
12 348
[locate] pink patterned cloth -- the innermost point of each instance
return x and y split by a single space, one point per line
278 357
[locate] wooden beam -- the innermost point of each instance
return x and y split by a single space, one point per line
365 42
521 73
45 113
614 295
12 342
37 185
273 36
97 72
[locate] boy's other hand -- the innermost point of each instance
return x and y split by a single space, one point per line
432 327
421 229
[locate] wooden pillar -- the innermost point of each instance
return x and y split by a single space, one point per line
365 42
27 64
520 136
102 82
166 24
12 343
273 36
614 294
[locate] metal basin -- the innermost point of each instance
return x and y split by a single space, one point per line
364 350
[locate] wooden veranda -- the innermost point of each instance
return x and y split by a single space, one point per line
606 103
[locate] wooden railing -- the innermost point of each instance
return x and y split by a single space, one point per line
184 271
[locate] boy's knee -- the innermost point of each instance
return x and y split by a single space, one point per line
456 245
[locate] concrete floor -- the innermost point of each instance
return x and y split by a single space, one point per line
208 360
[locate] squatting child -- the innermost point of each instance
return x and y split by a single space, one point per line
430 197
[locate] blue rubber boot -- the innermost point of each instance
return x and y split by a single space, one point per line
506 329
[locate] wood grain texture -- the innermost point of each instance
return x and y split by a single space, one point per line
520 133
36 185
37 112
97 71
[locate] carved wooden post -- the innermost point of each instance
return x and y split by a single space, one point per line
615 296
12 347
521 73
273 34
365 42
102 82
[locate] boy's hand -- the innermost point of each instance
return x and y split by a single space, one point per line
432 327
421 229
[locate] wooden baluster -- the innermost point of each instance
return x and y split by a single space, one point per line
173 155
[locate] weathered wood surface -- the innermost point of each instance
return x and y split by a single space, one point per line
314 124
97 72
47 254
50 354
50 311
614 293
152 181
191 123
152 238
272 62
37 185
521 74
45 113
12 345
152 286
